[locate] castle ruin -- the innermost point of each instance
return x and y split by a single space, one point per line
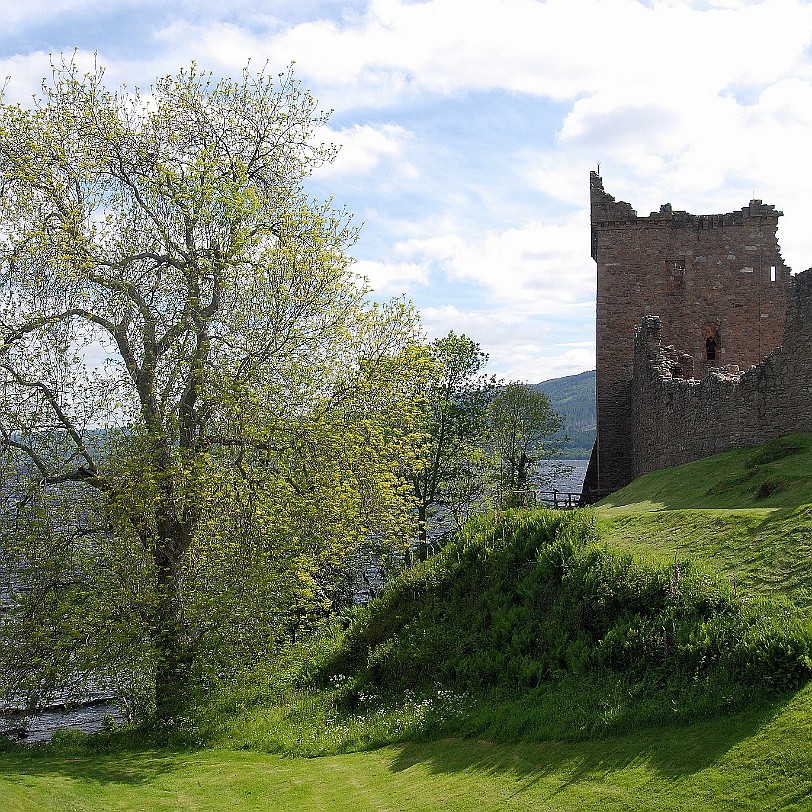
737 366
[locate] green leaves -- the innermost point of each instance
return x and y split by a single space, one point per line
184 344
521 420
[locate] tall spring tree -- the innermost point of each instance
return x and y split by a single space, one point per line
200 411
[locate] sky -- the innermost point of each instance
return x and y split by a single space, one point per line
468 130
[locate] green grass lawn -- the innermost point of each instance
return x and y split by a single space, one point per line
745 513
759 760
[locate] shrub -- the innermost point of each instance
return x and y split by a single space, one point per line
518 605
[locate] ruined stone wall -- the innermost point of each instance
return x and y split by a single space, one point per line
676 420
718 283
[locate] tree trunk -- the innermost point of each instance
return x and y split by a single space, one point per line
172 678
422 538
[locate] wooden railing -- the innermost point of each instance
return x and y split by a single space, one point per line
554 499
559 499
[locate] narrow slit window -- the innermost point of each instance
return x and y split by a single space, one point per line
772 273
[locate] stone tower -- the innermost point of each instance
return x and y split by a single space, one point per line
718 284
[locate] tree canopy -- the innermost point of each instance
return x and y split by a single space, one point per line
522 421
485 440
200 410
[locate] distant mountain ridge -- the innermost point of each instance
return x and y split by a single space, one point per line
573 396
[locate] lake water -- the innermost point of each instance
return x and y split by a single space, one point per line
566 482
40 727
89 718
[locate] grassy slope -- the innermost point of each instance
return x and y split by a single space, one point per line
717 510
747 513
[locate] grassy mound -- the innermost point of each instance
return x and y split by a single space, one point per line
567 626
531 628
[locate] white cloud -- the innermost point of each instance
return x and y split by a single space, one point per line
562 179
215 44
364 148
559 48
519 346
523 285
533 268
392 279
691 102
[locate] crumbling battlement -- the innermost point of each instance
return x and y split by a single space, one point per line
719 285
677 420
608 212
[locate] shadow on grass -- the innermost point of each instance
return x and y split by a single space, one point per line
134 768
673 752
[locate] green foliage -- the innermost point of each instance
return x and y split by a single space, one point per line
185 502
534 604
449 483
708 725
485 439
522 424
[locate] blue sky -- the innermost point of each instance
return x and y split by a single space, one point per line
468 130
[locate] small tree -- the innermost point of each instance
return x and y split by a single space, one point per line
521 421
448 484
199 409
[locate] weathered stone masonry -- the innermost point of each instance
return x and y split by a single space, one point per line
719 285
676 420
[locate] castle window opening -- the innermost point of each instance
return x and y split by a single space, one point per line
679 265
772 273
710 348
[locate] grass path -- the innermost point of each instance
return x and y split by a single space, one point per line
757 760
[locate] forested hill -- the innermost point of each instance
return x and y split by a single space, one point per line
574 397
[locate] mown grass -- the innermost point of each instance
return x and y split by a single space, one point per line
776 475
575 740
757 759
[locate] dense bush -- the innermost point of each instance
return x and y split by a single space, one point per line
535 601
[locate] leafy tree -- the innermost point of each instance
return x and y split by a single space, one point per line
449 482
521 422
200 411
